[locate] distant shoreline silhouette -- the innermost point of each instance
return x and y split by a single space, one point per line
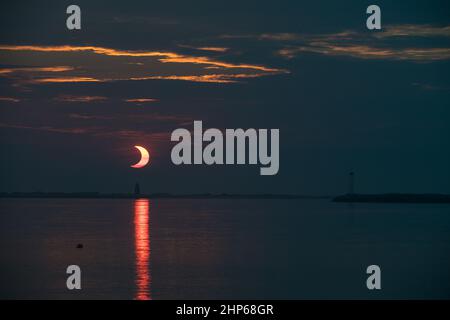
348 198
394 198
98 195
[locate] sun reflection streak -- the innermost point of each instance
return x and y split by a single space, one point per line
142 248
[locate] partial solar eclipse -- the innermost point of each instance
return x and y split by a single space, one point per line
145 157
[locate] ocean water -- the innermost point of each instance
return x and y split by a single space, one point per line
222 249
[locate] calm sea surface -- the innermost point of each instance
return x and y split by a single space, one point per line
213 249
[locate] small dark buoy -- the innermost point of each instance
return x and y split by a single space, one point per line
79 246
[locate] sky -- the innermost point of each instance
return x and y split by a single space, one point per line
73 103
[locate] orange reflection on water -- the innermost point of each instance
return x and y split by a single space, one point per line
142 248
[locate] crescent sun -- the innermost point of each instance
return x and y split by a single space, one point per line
145 157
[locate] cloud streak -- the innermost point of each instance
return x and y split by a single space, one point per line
380 45
101 64
9 99
141 100
412 30
83 99
369 52
153 127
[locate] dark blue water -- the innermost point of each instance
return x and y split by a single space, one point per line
211 249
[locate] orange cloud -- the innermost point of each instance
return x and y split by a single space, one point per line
216 78
69 98
141 100
36 69
363 45
213 49
141 65
413 30
66 79
165 56
9 99
367 45
206 48
369 52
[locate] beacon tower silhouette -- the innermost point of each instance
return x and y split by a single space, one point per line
351 183
137 189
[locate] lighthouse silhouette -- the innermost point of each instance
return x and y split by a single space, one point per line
351 183
137 189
